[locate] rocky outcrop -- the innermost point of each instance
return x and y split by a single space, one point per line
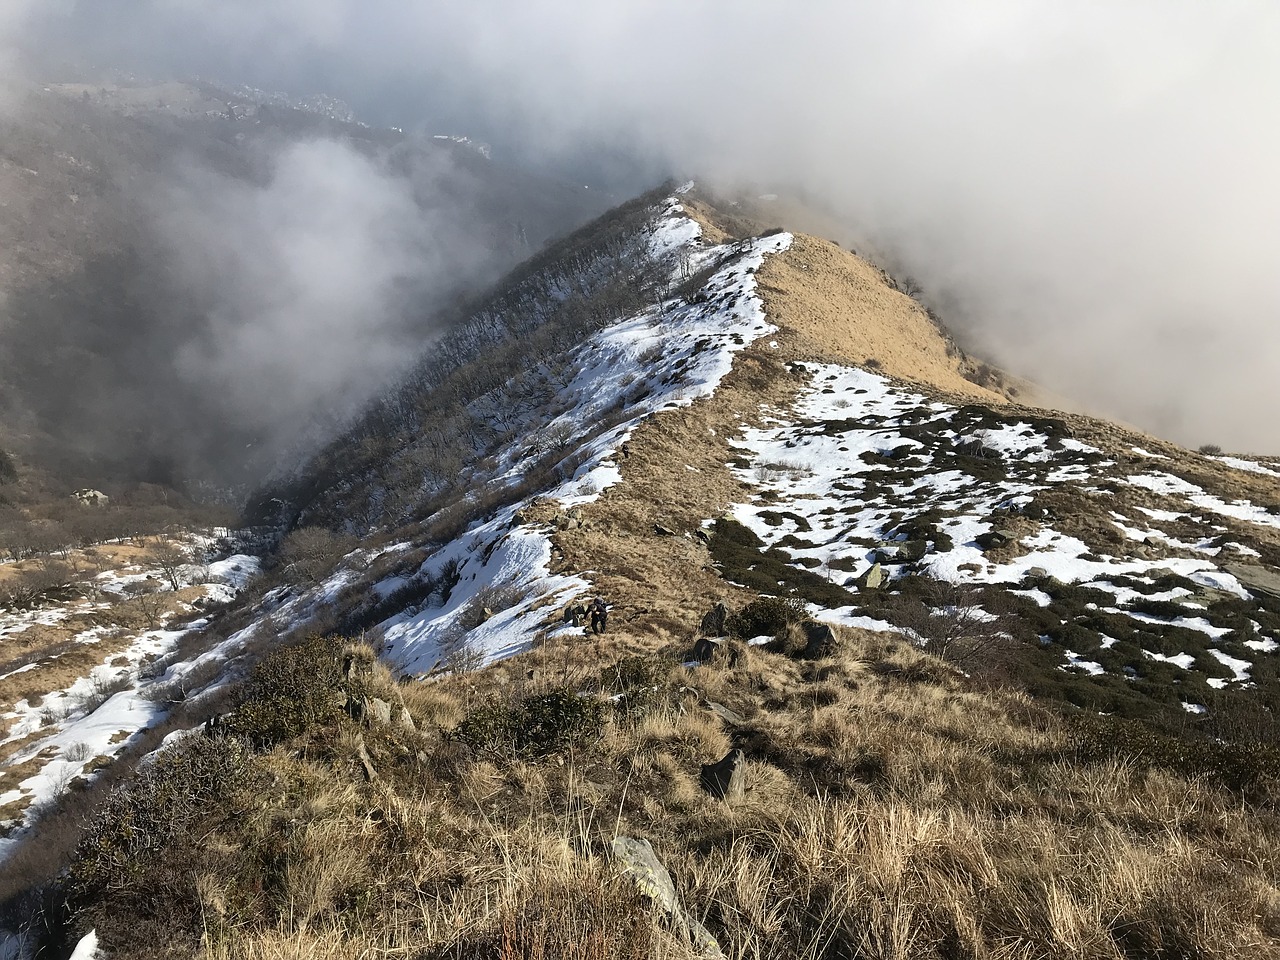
726 779
1261 581
374 711
91 498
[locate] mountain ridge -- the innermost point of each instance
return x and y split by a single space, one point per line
851 576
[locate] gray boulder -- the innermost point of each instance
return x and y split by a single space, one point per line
404 719
913 550
1261 581
377 711
992 539
366 763
637 862
873 579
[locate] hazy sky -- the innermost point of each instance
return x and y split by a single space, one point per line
1091 186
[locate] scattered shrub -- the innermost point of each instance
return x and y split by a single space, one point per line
102 689
289 690
488 601
638 682
767 616
1250 768
308 553
158 813
538 726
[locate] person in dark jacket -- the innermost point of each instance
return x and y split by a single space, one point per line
599 615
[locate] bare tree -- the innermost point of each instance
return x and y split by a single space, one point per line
171 560
308 553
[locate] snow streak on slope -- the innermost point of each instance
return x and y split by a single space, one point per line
860 467
664 357
74 731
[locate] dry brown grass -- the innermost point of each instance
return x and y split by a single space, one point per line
898 814
834 306
62 660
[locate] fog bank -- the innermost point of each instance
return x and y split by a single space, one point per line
1090 189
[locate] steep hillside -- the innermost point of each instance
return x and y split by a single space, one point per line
108 341
894 666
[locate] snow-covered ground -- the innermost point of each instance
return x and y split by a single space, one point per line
845 472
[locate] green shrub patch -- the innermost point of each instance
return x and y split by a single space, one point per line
537 726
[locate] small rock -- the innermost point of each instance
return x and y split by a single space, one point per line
376 710
638 863
990 540
727 778
706 648
913 550
662 531
724 713
362 754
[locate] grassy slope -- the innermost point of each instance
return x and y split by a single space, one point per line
894 809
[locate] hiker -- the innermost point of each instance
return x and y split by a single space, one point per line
575 613
599 615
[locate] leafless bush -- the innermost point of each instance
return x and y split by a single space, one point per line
101 689
53 713
488 601
186 684
959 623
465 657
172 560
308 553
78 752
52 580
777 470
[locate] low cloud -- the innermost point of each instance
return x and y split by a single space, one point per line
1088 188
304 282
